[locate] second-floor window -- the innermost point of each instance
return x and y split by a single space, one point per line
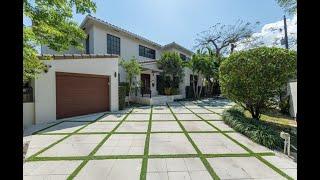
113 44
147 52
183 57
87 45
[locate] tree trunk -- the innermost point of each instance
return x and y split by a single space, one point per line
194 89
232 48
130 84
255 113
199 93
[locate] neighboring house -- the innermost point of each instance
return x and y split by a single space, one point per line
105 38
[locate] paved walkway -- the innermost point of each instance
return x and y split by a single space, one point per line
184 140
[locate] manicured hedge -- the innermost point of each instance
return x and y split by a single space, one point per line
122 96
257 131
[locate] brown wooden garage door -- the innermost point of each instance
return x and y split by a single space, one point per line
80 94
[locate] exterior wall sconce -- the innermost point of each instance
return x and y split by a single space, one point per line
47 67
115 74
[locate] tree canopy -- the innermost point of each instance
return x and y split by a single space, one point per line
253 78
220 37
132 68
289 6
52 25
171 65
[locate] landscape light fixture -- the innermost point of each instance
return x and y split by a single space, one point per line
286 137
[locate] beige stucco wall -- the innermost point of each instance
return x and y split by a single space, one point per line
129 47
28 114
45 85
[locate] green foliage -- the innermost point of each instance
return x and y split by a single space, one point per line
126 85
132 68
206 65
284 105
190 92
167 91
290 6
253 78
255 130
122 96
52 25
172 66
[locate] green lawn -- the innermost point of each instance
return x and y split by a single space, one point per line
275 117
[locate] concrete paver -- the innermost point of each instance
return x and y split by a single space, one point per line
215 143
49 169
123 144
197 126
165 126
242 168
111 169
75 145
133 127
170 143
166 117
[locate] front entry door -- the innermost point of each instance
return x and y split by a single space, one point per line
145 83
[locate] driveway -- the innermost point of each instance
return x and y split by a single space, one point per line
183 140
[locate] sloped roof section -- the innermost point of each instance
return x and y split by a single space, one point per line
116 28
177 46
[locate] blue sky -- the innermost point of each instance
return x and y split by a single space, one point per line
164 21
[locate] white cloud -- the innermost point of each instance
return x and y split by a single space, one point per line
271 35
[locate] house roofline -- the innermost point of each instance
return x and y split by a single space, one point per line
114 27
76 56
178 46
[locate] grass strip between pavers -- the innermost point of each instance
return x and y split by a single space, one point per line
77 170
247 149
144 166
101 157
60 140
36 132
202 158
157 132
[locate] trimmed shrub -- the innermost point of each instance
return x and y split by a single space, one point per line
253 78
122 96
255 130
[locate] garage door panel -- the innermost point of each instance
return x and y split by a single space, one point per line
79 94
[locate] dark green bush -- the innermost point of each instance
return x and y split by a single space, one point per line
284 105
122 97
252 78
259 132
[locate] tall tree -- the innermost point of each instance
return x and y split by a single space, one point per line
289 6
52 25
220 37
205 67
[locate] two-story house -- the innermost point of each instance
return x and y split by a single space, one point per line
84 82
106 38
